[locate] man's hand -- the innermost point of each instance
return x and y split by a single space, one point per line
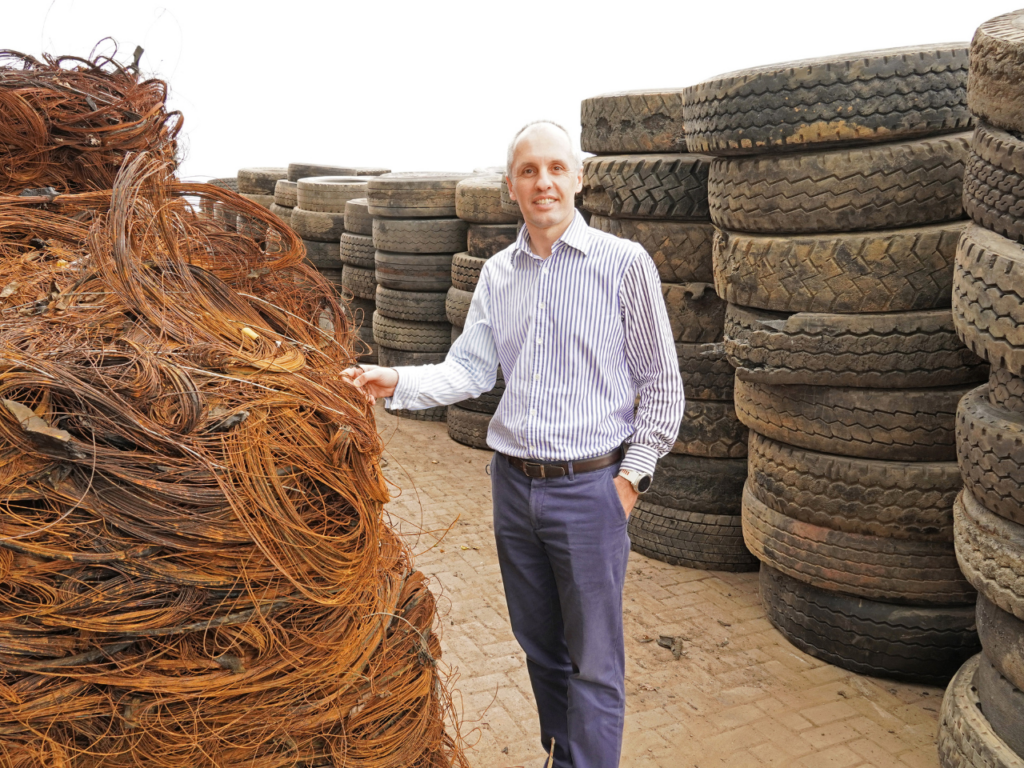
374 380
627 495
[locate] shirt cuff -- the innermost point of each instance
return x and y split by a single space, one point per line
641 458
406 391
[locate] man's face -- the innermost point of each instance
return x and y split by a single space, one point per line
543 180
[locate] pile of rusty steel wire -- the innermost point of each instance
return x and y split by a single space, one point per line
195 567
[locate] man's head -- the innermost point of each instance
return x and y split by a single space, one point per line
544 173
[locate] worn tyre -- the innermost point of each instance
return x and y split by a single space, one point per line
478 200
892 350
485 240
1005 390
315 225
391 358
466 271
990 549
357 217
900 270
695 313
438 413
711 429
888 499
966 739
853 98
284 214
918 644
647 186
681 249
990 450
323 255
690 539
286 193
260 181
698 484
358 250
411 336
1003 704
329 194
414 195
488 401
997 70
264 201
1002 637
994 182
886 186
418 306
359 282
899 571
633 122
414 271
988 297
298 171
457 306
468 427
706 371
420 235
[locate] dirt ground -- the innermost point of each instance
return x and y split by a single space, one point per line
738 695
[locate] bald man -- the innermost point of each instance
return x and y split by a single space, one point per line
576 320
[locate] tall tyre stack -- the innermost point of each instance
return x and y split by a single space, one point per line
415 236
982 719
645 187
359 285
836 189
490 229
286 197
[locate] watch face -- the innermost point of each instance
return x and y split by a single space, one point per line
643 484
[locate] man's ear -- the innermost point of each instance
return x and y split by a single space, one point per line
511 191
579 179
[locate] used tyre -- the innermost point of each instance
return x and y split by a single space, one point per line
359 282
695 313
990 549
485 240
457 306
411 336
329 194
468 427
1003 704
420 306
478 200
414 195
997 70
690 539
286 193
994 182
319 226
357 217
647 186
323 255
681 249
358 250
414 271
420 235
1005 390
439 413
391 358
298 171
706 371
633 122
488 401
1002 637
990 450
698 484
466 271
260 181
711 429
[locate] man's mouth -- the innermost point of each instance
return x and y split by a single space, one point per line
545 201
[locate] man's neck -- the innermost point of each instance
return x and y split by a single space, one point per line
542 240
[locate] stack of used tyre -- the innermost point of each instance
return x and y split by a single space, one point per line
490 229
837 193
982 721
359 285
645 187
319 218
286 196
415 235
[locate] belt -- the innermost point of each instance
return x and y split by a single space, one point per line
550 469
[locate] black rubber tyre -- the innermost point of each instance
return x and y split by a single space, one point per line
414 271
990 550
966 739
391 358
698 484
468 427
260 181
226 215
358 250
417 306
1002 703
286 193
411 336
882 186
414 195
319 226
888 499
990 451
994 182
710 429
900 270
323 255
988 297
633 122
1005 390
478 200
456 332
1002 637
695 313
892 350
487 402
264 201
226 182
485 240
284 214
438 413
420 235
997 70
358 220
707 372
681 249
914 643
298 171
853 98
329 194
457 306
647 186
885 424
899 571
360 312
690 539
359 282
466 271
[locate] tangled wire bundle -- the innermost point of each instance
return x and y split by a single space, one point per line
194 565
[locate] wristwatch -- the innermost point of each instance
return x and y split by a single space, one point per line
641 482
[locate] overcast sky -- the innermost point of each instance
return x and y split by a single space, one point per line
442 85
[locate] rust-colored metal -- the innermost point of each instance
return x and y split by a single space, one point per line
195 569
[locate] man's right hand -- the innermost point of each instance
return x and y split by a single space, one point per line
373 380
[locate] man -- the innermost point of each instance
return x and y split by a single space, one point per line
576 319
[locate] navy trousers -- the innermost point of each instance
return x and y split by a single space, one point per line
562 548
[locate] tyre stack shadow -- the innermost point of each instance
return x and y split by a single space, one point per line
982 720
835 248
415 235
490 229
645 187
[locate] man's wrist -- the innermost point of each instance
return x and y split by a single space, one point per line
640 481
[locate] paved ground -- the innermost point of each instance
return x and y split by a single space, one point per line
739 696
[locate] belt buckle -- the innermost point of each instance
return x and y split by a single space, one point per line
528 465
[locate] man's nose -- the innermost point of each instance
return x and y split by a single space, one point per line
544 179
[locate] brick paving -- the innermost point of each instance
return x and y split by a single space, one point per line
739 695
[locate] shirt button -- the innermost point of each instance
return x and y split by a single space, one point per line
536 376
533 411
545 270
531 449
542 305
538 340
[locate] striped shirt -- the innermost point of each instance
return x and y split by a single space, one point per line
579 336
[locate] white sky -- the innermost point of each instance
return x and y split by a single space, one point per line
442 85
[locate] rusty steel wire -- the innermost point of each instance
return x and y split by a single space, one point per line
195 567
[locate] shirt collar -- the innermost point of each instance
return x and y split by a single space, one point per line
577 237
